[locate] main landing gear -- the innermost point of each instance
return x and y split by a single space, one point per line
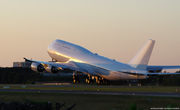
100 80
75 77
90 80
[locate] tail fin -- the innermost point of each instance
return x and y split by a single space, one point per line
141 59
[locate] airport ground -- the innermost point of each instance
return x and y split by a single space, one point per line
91 100
87 87
88 97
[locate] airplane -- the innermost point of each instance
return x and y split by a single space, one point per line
71 57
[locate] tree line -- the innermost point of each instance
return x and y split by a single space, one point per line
27 76
161 80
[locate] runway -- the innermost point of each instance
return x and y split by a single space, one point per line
159 94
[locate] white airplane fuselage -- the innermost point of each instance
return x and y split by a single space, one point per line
95 64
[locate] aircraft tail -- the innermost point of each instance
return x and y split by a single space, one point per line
141 59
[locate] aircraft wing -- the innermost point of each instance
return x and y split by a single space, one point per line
63 66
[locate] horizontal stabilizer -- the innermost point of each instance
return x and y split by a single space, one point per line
151 67
163 73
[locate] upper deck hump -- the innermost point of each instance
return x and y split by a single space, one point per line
73 46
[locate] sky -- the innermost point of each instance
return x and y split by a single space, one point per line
116 29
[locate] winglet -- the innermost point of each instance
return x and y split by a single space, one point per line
141 59
27 60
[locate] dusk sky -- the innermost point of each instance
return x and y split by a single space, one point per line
116 29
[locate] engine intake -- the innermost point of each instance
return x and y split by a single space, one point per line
52 69
37 67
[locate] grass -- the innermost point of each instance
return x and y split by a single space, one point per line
94 102
97 88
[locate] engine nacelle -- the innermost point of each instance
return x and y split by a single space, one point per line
52 69
37 67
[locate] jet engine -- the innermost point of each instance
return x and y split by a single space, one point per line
52 69
37 67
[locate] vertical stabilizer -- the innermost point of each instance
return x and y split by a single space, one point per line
141 59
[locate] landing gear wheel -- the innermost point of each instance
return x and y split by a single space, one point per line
98 82
90 81
77 81
75 78
74 81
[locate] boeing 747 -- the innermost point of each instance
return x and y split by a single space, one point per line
68 56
